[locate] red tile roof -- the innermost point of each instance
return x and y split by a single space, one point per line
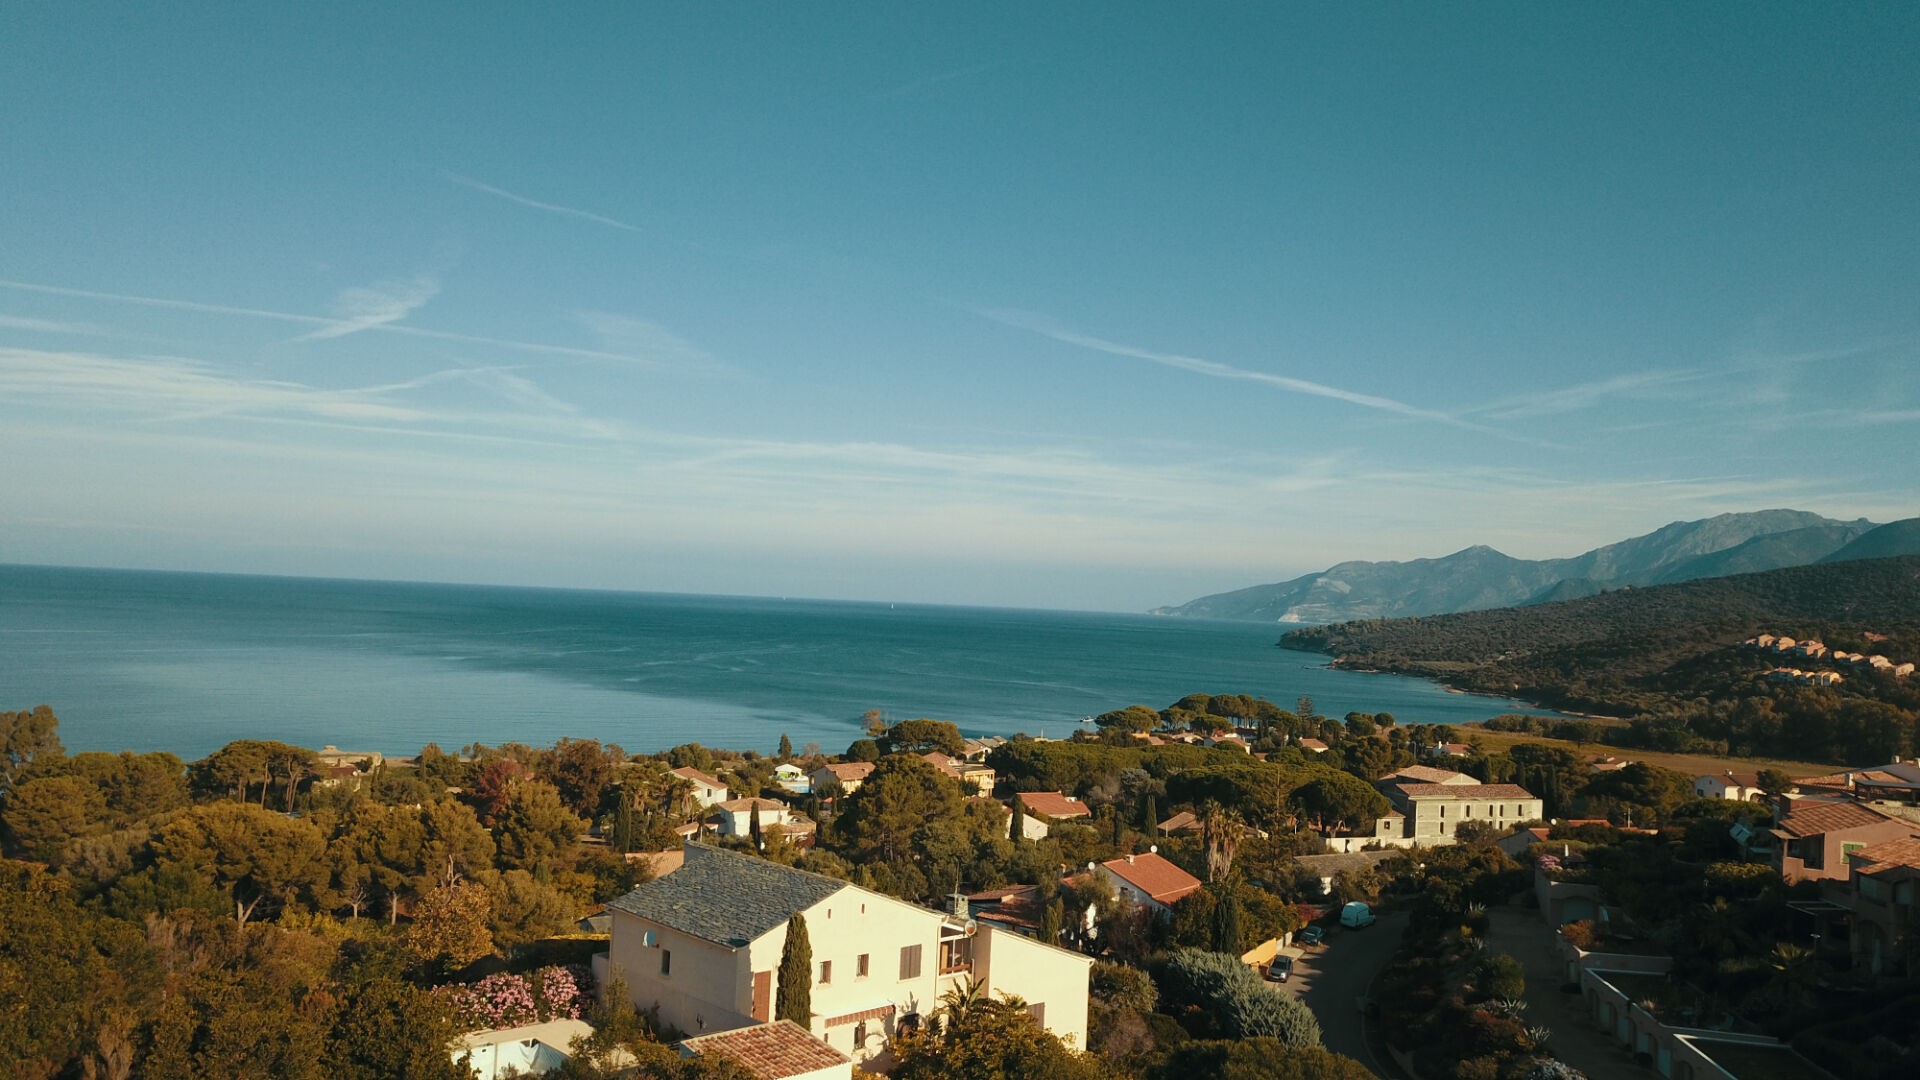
698 777
1184 821
850 770
1888 855
1154 875
769 1051
1053 804
1807 817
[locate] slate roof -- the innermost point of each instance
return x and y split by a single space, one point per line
1154 875
1806 817
769 1051
727 897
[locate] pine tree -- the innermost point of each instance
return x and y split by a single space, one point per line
796 975
786 747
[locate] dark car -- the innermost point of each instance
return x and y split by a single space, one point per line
1312 935
1281 968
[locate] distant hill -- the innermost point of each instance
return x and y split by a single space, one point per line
1674 650
1893 538
1480 578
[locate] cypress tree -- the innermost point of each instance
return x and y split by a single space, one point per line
1017 828
786 747
623 824
753 828
1227 937
796 975
1050 919
1152 825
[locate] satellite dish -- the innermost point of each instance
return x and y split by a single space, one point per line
972 926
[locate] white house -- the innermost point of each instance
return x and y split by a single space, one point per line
1150 880
1434 802
706 790
848 775
1739 787
1040 808
703 946
791 777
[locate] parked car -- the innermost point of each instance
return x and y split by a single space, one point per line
1312 935
1281 968
1356 915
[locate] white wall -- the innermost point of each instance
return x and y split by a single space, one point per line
1005 962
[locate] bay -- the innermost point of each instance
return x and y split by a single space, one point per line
187 662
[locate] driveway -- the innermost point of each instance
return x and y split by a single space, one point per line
1577 1040
1332 979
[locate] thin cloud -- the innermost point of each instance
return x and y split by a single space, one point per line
47 326
1585 395
551 208
319 321
1048 328
373 306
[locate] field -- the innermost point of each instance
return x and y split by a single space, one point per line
1689 764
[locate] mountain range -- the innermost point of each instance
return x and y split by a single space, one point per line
1479 577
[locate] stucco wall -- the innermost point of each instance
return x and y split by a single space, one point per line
1007 963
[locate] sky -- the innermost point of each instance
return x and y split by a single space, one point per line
1038 305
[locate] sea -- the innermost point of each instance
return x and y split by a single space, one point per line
187 662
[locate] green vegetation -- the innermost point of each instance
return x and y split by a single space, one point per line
795 997
1670 660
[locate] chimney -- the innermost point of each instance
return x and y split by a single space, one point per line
1129 860
958 900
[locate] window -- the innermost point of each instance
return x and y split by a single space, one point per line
650 939
666 961
860 966
910 962
1467 810
1039 1011
826 972
956 954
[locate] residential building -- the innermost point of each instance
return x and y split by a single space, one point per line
847 775
1182 822
1815 836
976 778
529 1050
1150 880
1041 808
1879 893
331 756
706 790
1435 802
1738 787
790 777
735 818
781 1050
703 946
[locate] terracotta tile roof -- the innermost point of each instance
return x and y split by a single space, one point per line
1180 822
699 777
873 1013
769 1051
1888 855
1312 744
849 770
1807 817
1465 791
1427 775
741 805
1154 875
1053 804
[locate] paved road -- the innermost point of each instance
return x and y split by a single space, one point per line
1577 1039
1332 979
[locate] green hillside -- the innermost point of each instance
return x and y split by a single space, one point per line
1670 657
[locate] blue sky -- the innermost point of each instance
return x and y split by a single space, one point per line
1087 306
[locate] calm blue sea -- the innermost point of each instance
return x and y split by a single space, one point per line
144 660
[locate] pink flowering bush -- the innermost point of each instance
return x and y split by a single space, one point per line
504 1001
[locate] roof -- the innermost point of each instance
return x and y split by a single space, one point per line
739 805
1887 855
1053 804
1154 875
1312 744
698 777
1465 791
1428 775
1810 817
769 1051
1749 780
849 770
727 897
1180 822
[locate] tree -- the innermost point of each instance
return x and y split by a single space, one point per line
1336 800
43 816
387 1028
450 922
1017 826
899 807
1256 1059
1217 996
27 737
988 1039
255 855
922 735
795 1000
581 771
785 753
1227 937
525 910
754 832
535 827
1775 782
1131 718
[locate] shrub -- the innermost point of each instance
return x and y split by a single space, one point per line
1579 934
1223 996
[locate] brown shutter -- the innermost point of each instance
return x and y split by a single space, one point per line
763 996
